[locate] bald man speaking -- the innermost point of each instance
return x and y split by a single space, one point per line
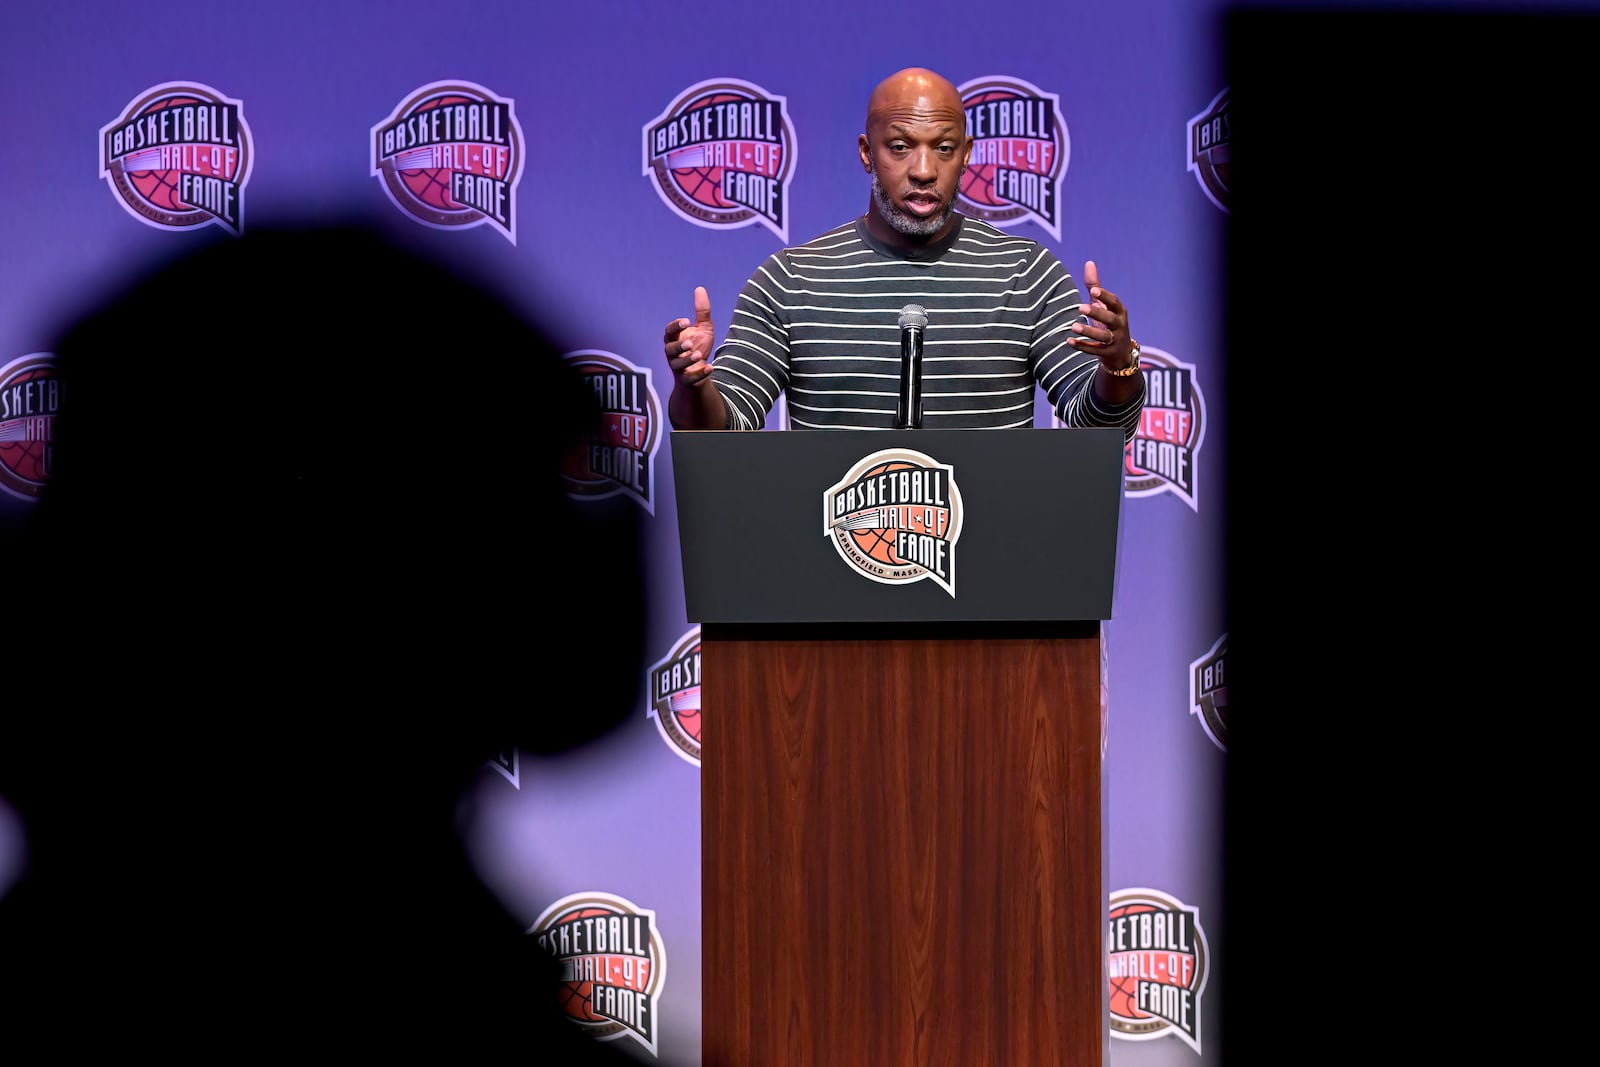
824 320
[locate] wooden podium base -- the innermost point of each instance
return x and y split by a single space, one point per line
901 845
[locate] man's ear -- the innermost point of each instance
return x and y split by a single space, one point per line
864 149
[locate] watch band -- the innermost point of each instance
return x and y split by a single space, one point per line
1131 369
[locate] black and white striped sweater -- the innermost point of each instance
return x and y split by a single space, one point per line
821 320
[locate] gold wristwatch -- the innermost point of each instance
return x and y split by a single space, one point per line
1131 369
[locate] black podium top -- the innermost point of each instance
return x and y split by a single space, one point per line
808 526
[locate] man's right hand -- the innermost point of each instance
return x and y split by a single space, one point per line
688 344
694 403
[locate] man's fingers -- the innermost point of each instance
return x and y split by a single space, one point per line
693 370
689 341
1091 275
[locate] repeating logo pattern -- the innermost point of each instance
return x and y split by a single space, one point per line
179 157
30 396
723 154
1157 962
621 458
1208 692
451 156
613 965
1020 147
675 696
1208 149
896 517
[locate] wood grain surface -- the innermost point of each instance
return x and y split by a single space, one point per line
901 847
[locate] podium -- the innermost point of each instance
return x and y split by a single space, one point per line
902 800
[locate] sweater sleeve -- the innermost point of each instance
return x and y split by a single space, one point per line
751 366
1064 373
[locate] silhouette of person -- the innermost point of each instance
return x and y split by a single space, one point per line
281 600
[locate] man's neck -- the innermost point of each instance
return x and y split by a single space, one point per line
880 228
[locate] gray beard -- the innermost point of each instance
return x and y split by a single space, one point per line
907 224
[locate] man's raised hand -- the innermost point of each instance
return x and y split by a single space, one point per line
687 344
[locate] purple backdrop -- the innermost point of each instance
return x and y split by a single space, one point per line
564 100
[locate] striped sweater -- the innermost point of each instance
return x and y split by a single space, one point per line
821 320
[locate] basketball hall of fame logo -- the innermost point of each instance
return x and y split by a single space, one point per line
675 696
30 396
1019 153
1208 149
895 517
1208 692
1156 960
722 155
613 965
179 157
1163 456
450 156
1164 453
621 456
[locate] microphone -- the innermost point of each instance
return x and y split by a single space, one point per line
913 320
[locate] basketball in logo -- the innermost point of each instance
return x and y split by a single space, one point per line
429 184
1125 987
613 965
1164 455
577 998
160 185
722 155
1019 153
451 156
895 518
1157 963
879 544
179 157
30 394
685 709
701 183
619 457
977 181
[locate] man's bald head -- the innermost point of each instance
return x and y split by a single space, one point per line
915 91
916 148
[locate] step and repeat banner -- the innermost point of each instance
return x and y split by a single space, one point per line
602 159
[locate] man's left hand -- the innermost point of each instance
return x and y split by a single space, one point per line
1106 333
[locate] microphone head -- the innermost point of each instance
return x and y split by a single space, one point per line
912 316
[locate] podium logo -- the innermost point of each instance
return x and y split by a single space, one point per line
450 156
1208 692
621 457
1208 149
896 517
1157 960
613 965
1019 153
675 696
179 157
30 396
722 156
